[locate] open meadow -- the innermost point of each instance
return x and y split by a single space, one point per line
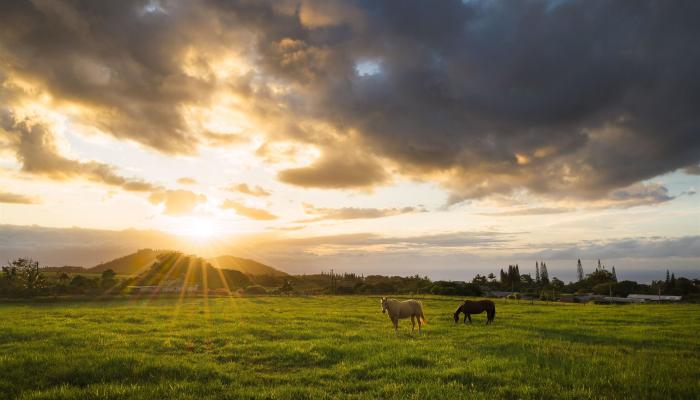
344 347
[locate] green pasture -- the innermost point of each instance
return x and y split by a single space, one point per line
344 347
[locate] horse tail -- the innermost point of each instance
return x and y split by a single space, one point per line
418 312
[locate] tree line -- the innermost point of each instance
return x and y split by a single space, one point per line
602 280
24 277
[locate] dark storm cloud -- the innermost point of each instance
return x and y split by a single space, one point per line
115 59
567 99
574 99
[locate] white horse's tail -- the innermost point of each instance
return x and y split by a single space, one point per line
422 317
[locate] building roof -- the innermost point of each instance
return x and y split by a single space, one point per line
654 297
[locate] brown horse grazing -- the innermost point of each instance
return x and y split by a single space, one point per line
476 307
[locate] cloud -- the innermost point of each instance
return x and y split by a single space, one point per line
692 170
37 151
185 180
177 202
249 190
643 247
639 194
529 211
336 172
345 213
360 242
13 198
249 212
485 97
120 65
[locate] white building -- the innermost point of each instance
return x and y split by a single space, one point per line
653 297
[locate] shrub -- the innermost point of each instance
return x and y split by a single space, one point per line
254 290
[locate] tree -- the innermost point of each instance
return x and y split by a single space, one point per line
614 274
600 276
537 272
600 266
26 276
63 278
108 274
667 284
108 280
491 277
526 279
544 275
557 283
286 287
9 282
579 270
479 280
81 284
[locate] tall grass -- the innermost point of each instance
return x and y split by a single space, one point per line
344 347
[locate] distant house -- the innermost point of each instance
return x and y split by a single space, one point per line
653 297
622 300
499 294
584 298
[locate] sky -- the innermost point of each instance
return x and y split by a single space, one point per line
394 137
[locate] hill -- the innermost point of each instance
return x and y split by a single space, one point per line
245 265
176 269
142 260
131 264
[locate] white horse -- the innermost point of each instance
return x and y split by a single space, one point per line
403 309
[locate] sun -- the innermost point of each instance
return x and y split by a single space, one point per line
198 228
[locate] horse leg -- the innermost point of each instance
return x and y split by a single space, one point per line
413 323
396 324
469 317
419 323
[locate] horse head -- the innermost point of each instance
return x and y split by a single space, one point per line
384 304
456 316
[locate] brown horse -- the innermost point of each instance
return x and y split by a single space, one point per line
476 307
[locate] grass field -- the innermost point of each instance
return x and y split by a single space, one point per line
344 347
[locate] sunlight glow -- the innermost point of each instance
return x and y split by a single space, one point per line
199 228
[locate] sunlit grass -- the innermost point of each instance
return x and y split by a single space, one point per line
330 347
